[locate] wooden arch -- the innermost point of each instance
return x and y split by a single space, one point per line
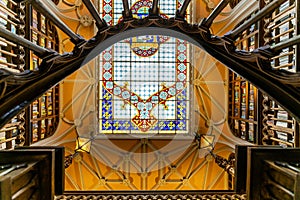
19 90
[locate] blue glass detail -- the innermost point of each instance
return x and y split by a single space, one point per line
136 82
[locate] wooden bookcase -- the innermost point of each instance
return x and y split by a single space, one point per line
271 174
44 110
279 127
44 115
12 59
242 108
243 96
253 115
32 173
266 172
282 26
41 118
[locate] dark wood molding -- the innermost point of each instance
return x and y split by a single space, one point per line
254 66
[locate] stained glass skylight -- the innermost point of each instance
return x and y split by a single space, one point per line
144 81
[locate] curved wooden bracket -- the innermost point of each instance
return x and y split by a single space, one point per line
19 90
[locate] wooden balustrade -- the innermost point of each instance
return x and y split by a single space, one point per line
31 173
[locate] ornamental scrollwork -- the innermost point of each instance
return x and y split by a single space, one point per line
57 67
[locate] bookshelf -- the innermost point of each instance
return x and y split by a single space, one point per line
282 26
280 128
242 106
44 115
253 115
9 19
12 59
42 33
44 110
243 96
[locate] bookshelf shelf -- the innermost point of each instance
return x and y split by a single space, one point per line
253 115
44 110
242 116
11 59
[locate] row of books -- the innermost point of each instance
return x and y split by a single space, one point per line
41 128
38 21
245 129
281 124
43 115
284 27
244 102
42 107
4 141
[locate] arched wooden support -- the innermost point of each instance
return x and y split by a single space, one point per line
19 90
99 22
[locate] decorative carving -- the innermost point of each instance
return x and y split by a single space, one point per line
225 164
21 31
20 141
85 20
158 195
265 129
17 89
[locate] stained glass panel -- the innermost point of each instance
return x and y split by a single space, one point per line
144 81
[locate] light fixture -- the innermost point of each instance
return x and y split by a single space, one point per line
82 145
206 142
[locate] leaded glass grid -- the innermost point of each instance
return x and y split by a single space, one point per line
112 10
144 81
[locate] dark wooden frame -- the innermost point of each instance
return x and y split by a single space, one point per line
255 164
46 169
249 166
58 164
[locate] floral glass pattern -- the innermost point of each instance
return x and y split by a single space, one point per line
144 81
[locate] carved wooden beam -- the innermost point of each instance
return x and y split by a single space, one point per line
19 90
99 22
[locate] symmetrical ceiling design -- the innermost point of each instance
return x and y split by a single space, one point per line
146 161
111 162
